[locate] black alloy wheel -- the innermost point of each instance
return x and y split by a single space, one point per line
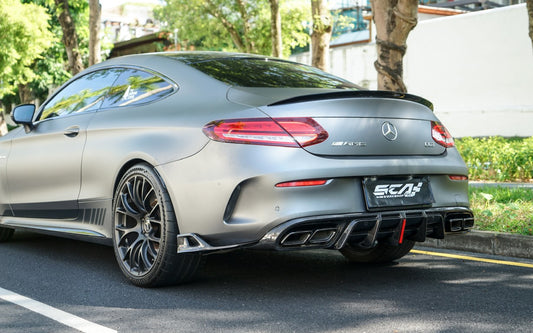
145 230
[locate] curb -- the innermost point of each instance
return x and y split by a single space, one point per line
495 184
494 243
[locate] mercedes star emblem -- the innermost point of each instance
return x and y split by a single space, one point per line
389 131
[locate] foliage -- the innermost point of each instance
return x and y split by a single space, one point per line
497 158
208 24
49 69
25 36
503 209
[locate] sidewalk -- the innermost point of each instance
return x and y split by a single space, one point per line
502 244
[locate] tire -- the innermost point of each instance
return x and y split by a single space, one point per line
6 234
382 253
145 230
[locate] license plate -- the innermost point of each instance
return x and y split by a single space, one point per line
394 192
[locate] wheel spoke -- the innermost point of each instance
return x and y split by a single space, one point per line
145 197
134 195
139 190
135 258
144 255
124 242
128 210
127 230
153 238
154 210
152 251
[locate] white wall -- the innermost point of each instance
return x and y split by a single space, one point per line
477 69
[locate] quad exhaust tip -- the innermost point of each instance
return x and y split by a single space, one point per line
309 237
460 223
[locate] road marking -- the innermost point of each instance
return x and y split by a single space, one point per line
55 314
455 256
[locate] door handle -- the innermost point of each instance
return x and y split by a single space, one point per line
72 131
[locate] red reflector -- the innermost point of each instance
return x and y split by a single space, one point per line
402 232
458 177
299 183
286 132
440 134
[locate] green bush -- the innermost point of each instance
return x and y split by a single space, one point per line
497 158
503 209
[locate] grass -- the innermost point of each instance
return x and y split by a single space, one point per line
503 209
498 159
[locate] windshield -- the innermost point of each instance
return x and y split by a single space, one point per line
271 73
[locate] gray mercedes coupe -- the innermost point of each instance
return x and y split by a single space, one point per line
170 156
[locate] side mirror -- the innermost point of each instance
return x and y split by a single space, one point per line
23 114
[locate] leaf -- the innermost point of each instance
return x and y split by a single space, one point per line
487 196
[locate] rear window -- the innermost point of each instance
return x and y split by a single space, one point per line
269 73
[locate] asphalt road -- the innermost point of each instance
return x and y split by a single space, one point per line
247 291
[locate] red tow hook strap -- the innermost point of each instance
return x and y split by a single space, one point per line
402 232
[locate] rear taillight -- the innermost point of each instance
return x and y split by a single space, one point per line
300 183
286 132
440 134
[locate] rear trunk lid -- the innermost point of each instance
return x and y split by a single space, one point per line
359 123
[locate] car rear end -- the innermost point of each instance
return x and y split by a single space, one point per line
323 168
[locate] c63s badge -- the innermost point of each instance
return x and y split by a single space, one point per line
349 143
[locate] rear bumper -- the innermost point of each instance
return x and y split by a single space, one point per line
363 230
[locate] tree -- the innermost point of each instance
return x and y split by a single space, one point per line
52 66
275 29
25 36
530 14
49 69
95 11
234 25
70 37
237 26
394 20
321 35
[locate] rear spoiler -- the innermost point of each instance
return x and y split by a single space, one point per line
355 94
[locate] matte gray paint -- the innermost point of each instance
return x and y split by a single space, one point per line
48 166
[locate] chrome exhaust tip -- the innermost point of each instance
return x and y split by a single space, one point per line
296 238
322 236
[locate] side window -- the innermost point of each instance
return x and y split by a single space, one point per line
83 94
135 87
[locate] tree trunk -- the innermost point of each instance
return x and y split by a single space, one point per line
95 11
394 20
25 94
530 14
70 37
250 47
3 124
275 29
321 35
